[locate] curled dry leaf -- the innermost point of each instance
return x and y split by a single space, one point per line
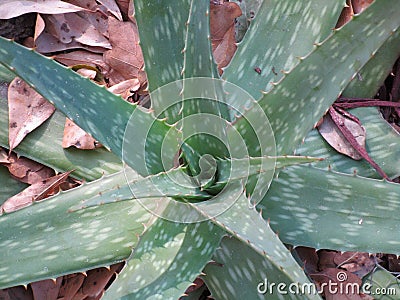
35 192
26 170
81 57
360 5
13 8
222 31
27 111
346 14
112 7
337 140
125 88
77 137
125 58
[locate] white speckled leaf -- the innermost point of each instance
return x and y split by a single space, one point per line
36 240
280 32
322 209
162 265
93 108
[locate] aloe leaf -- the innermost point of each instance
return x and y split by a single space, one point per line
67 241
9 186
89 105
320 209
382 284
44 145
381 143
293 111
255 235
161 265
238 272
280 32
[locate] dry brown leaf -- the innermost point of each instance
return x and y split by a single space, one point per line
124 6
72 27
326 259
360 5
46 289
39 27
346 14
88 4
77 137
222 31
336 139
27 111
35 192
357 263
125 88
26 170
70 286
125 58
112 7
309 257
339 284
13 8
81 57
18 292
91 74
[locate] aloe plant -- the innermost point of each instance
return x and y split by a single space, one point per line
215 214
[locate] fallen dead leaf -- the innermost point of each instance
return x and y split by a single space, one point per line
309 257
337 140
27 111
360 5
13 8
70 286
88 4
112 7
39 27
326 259
346 14
72 27
18 292
81 57
125 58
77 137
357 263
125 88
46 289
26 170
35 192
339 284
124 7
222 31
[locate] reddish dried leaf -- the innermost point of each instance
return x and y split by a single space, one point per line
13 8
97 279
91 74
222 31
309 257
124 7
46 289
360 5
339 285
197 284
77 137
35 192
393 263
70 286
39 27
337 140
19 292
72 27
326 259
346 14
357 263
125 58
88 4
27 111
26 170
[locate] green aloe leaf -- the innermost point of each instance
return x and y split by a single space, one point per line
382 284
161 265
280 32
323 75
381 143
67 241
90 106
321 209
